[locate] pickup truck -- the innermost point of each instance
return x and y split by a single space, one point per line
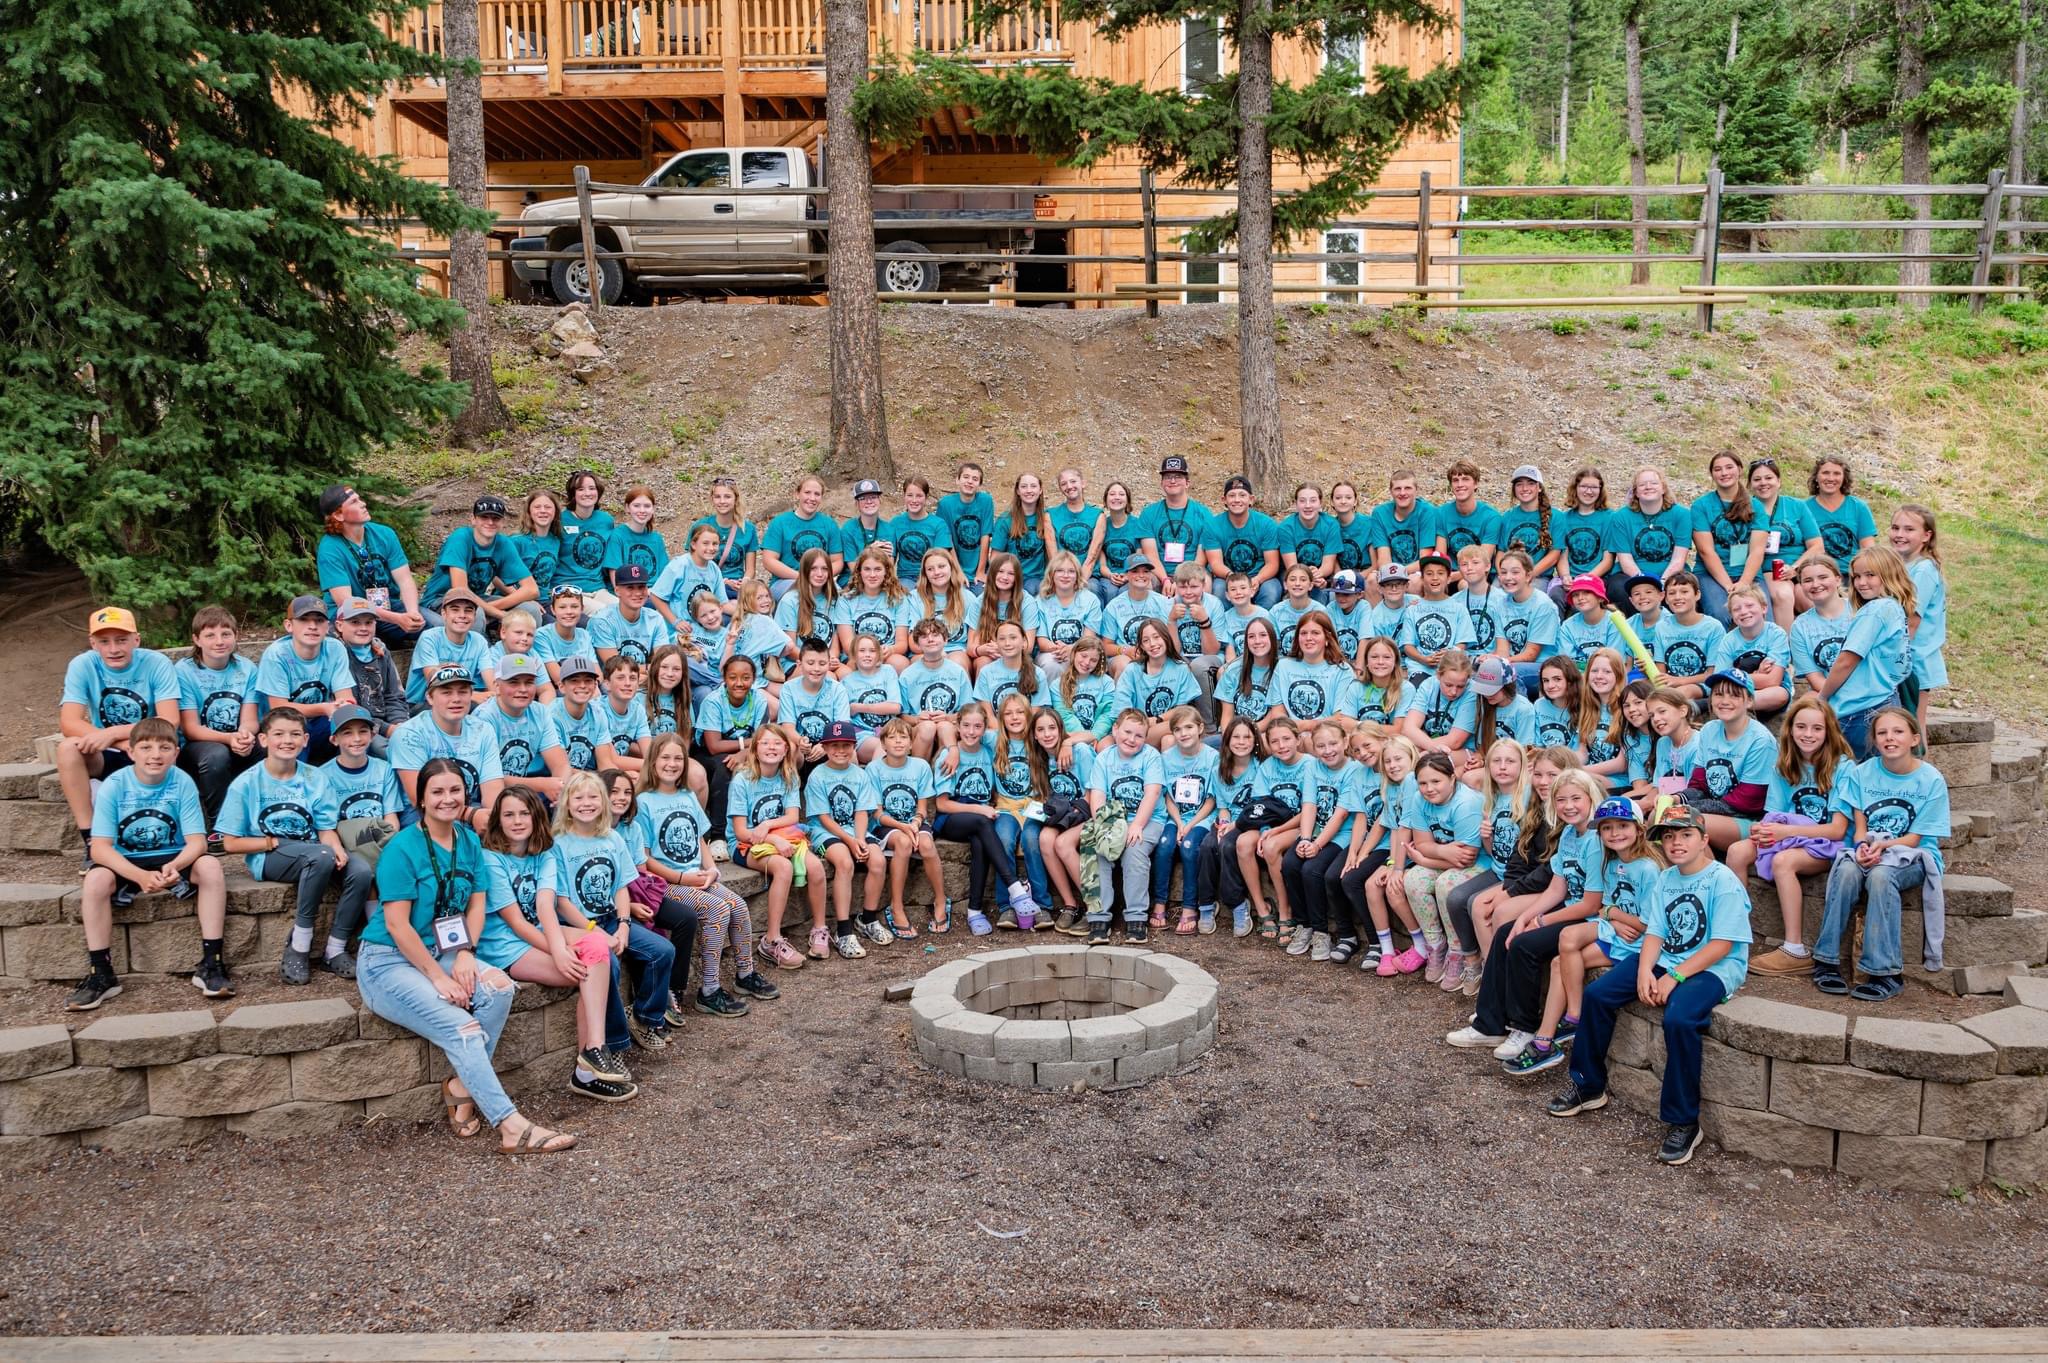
706 240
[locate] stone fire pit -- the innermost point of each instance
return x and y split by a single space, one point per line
1063 1016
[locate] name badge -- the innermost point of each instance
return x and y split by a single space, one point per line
1187 791
451 934
1771 541
1672 785
1175 551
380 597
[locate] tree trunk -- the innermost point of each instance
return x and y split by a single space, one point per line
1914 159
860 426
1638 171
1258 362
1721 109
1564 94
2016 146
469 266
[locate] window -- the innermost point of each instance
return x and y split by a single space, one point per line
1348 50
1341 271
764 169
698 170
1201 55
1201 272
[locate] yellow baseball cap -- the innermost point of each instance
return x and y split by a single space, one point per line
111 618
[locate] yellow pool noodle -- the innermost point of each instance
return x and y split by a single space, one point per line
1635 646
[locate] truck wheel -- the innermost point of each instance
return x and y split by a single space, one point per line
906 276
569 281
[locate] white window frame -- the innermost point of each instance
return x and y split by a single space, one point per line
1353 243
1187 30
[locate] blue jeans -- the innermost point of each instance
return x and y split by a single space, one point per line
1880 887
1188 850
1686 1016
1856 727
1105 590
1034 859
617 1036
653 959
779 587
1529 677
1713 599
396 991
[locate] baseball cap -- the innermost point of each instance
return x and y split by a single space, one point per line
631 575
345 715
303 606
1138 565
111 618
1173 463
1529 471
1236 481
866 487
1493 675
1393 573
1587 583
1617 807
490 504
563 589
1733 678
517 665
839 731
448 674
333 497
1642 580
1678 815
457 596
1347 583
580 664
1433 557
355 609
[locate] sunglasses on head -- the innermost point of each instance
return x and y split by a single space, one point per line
724 480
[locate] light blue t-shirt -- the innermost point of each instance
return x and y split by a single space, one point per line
1578 860
935 690
1514 717
622 729
1817 641
755 801
434 649
1878 636
368 792
839 795
1352 625
1234 794
1123 779
822 622
1284 781
1503 831
523 738
1894 805
881 687
1287 616
1686 912
998 679
1746 654
956 635
582 736
481 563
1250 696
1244 547
512 883
1124 613
684 580
1556 727
1443 714
1188 781
260 805
973 779
1453 823
1626 887
1310 691
1684 650
146 820
1803 799
899 790
810 711
1013 769
1433 626
1064 622
1579 641
590 872
672 828
1930 601
1155 692
217 696
875 616
1092 707
474 750
636 639
550 646
317 681
1323 803
1073 779
1745 759
1188 633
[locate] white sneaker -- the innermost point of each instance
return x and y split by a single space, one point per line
1298 944
1319 946
1471 1039
849 946
1517 1042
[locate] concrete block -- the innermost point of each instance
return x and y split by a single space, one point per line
28 1154
968 1033
2023 936
1018 1073
75 1099
2010 1105
1059 1074
1964 764
25 1051
1947 726
1846 1098
2021 1159
290 1121
520 1042
217 1085
142 1039
1921 1050
1034 991
53 951
1765 1136
1033 1041
993 998
1782 1031
19 780
1166 1024
1091 989
558 1025
171 946
32 826
1971 896
29 905
1198 1045
1634 1041
1734 1078
1066 963
281 1028
150 1133
1118 963
421 1103
952 1062
1147 1065
364 1069
1985 979
1107 1038
371 1027
2021 1036
1923 1163
930 1009
2027 991
1637 1089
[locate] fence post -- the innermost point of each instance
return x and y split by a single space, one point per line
1710 244
1421 243
1148 212
592 278
1994 205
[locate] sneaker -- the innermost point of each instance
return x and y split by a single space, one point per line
1137 932
1041 921
665 1033
603 1090
674 1015
720 1004
295 968
1241 921
1098 934
1071 923
876 931
1780 962
1534 1059
1567 1032
1474 970
756 986
604 1065
849 946
1513 1044
211 979
978 924
618 1059
649 1036
1006 921
1409 961
1679 1143
1575 1100
1453 977
92 991
1472 1039
1318 946
340 963
1298 944
1205 922
1433 965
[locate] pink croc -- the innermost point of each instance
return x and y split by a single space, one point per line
1409 961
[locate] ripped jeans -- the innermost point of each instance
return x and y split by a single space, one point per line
396 991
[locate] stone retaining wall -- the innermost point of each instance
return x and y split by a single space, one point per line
1920 1105
152 1081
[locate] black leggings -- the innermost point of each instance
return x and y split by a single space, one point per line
1310 882
1458 908
1221 873
984 849
1511 987
1351 892
717 778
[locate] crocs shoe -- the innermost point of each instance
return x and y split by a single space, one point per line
1409 961
978 924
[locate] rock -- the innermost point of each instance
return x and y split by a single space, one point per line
1734 1078
1923 1163
361 1069
2027 991
1921 1050
281 1028
1846 1098
1764 1136
74 1099
53 951
592 371
170 945
150 1133
2010 1105
2022 1160
288 1121
26 1051
1782 1031
18 780
2021 1036
218 1085
584 350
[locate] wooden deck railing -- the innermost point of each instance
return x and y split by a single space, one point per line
553 37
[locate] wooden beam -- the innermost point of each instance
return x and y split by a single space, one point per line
730 105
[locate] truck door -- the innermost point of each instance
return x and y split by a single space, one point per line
760 236
678 227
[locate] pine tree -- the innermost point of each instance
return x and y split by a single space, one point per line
1767 140
193 340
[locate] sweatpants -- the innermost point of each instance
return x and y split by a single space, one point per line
1134 867
985 853
310 867
1511 986
1309 884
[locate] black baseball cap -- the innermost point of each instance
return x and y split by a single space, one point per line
331 500
632 575
1236 481
1173 463
1642 580
839 731
490 504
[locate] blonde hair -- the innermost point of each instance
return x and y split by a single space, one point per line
1061 559
1491 790
662 742
565 825
955 609
1663 489
789 769
1401 744
1581 780
1892 577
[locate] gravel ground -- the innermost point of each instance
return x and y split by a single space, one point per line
1330 1162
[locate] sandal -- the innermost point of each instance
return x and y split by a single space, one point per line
904 932
1186 926
1878 989
538 1140
941 921
461 1128
780 953
821 944
1158 918
1269 931
1828 979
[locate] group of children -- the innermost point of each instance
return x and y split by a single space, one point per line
1166 717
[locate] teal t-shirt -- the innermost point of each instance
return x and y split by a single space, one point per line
1309 542
745 539
1074 530
482 563
436 881
1120 542
370 566
583 544
1583 534
790 536
1244 547
914 537
1731 538
1843 530
1462 529
1022 541
1651 540
1405 537
1181 534
967 520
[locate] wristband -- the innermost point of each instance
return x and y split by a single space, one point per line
1677 975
